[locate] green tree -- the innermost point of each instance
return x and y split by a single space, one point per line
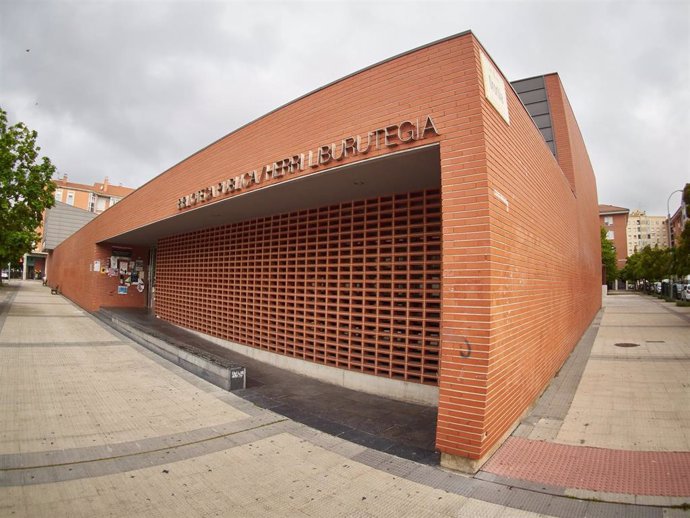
608 257
651 264
26 189
632 271
655 263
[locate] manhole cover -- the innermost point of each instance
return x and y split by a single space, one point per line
626 344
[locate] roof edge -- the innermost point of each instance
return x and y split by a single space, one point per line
534 77
613 212
360 71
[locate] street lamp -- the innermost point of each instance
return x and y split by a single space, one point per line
668 215
668 226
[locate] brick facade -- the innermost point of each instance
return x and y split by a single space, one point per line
615 221
354 285
520 262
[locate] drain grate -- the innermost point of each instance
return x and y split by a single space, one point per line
626 344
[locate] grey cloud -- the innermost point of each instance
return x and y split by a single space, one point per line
128 89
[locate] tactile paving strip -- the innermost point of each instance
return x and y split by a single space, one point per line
595 469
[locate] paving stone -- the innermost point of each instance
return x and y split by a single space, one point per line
567 508
613 510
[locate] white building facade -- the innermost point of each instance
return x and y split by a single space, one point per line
643 230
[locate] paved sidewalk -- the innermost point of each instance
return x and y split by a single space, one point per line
95 425
618 426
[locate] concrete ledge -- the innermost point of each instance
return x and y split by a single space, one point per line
394 389
214 370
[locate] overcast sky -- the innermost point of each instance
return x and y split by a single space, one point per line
128 89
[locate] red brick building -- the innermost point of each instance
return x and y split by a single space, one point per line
413 229
615 221
677 224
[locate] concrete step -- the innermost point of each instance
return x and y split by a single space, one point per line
205 364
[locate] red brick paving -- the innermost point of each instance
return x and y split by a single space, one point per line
596 469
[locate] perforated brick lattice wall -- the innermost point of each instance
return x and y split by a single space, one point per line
355 285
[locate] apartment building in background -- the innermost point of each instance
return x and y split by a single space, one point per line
615 221
94 198
646 230
76 204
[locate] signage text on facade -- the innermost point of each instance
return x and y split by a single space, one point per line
389 136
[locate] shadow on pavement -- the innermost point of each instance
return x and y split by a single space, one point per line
406 430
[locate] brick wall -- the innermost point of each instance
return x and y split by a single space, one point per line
544 261
70 266
354 285
526 284
466 250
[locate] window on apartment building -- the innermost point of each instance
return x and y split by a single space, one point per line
114 200
609 234
608 220
92 202
58 194
101 204
70 197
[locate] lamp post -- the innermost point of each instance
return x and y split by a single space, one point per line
668 215
668 227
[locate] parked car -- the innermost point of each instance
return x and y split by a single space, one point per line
685 293
5 274
677 291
